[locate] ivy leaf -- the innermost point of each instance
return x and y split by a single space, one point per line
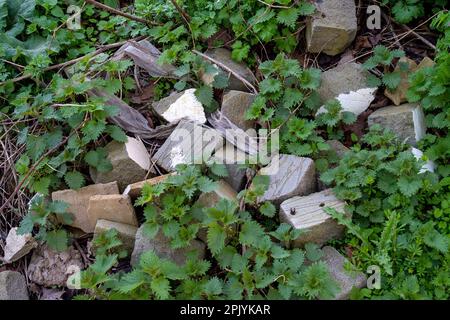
74 179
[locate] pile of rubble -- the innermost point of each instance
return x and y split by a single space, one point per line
295 188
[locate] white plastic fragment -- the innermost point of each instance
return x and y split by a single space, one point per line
354 101
186 106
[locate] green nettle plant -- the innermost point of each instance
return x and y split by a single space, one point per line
396 226
384 58
247 261
431 87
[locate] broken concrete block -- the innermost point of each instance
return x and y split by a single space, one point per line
113 207
52 268
160 245
233 159
235 105
406 121
333 28
347 84
78 201
189 143
289 176
224 56
130 162
180 105
18 245
13 286
134 190
340 269
307 214
126 233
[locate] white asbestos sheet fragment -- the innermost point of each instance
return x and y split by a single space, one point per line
186 106
354 101
428 166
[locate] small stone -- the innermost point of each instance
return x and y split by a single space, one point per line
134 190
126 232
130 161
235 105
180 105
333 28
289 176
406 121
52 268
160 245
113 207
189 143
78 201
398 96
13 286
18 245
348 84
307 214
426 63
338 267
224 56
233 159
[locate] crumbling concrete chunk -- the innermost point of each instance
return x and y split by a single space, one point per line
235 105
18 245
52 268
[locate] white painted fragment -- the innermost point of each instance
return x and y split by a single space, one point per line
354 101
419 123
138 153
428 166
176 156
18 245
186 106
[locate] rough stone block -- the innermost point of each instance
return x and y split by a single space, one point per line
339 266
224 56
13 286
406 121
289 176
235 105
18 245
126 232
78 201
307 214
189 143
333 28
130 162
160 245
114 207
